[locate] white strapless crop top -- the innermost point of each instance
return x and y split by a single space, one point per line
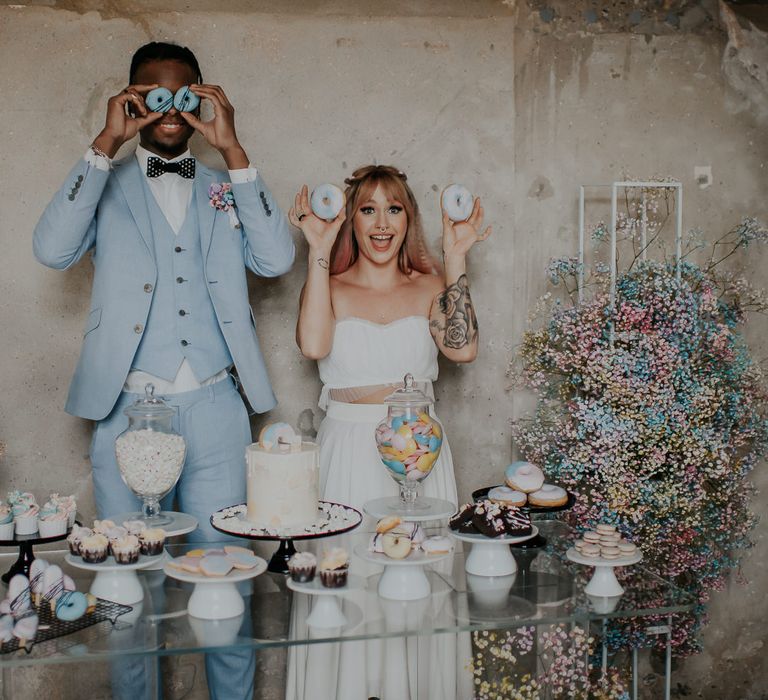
366 353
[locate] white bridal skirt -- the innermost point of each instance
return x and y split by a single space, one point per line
421 666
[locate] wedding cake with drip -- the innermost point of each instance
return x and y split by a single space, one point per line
282 479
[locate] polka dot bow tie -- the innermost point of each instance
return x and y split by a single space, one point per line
184 167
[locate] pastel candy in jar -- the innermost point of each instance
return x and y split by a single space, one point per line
409 439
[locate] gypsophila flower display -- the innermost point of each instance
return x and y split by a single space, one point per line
653 411
561 668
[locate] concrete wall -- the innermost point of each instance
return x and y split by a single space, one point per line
521 101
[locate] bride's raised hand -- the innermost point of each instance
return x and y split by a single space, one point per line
460 236
319 233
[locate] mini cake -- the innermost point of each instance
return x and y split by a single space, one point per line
282 479
93 549
125 549
524 476
549 496
151 541
302 566
462 520
334 567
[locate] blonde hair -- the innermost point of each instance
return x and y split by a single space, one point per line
413 253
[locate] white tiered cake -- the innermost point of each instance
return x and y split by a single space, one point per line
282 479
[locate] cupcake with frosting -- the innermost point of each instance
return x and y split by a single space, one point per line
93 549
334 568
6 522
125 549
113 534
75 538
302 566
25 514
134 527
68 505
53 520
151 541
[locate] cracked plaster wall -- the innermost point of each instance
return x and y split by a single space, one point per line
520 103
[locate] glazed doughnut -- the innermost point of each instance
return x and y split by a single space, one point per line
185 100
326 201
272 432
71 605
548 495
524 476
437 544
387 523
458 202
396 545
506 495
159 100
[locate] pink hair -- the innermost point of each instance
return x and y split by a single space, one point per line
413 253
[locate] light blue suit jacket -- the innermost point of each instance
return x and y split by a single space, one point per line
107 212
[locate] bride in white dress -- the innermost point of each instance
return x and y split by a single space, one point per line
375 306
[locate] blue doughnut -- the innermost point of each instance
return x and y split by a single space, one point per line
185 100
71 605
159 100
326 201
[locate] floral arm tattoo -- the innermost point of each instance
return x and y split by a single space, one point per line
459 328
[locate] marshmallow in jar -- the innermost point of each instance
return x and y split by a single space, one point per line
409 438
150 453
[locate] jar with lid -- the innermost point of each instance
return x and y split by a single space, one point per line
409 440
150 453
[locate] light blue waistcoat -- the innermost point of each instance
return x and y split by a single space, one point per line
182 321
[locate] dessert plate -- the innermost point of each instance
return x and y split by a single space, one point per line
491 556
603 583
326 611
115 582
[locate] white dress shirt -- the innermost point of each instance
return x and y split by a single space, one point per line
173 194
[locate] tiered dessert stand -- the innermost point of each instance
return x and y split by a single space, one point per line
603 583
232 521
26 553
216 597
491 556
115 582
326 611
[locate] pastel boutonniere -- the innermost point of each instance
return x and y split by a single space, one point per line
220 197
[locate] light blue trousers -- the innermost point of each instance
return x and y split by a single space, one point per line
215 426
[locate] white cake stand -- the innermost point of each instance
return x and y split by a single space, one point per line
491 556
179 524
603 583
326 611
426 509
115 582
216 597
402 579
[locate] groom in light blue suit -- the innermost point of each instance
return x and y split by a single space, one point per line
169 304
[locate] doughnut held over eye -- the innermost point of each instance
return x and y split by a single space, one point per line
159 100
457 201
185 100
326 201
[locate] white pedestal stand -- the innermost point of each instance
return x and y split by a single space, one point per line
326 611
180 524
491 556
116 582
402 579
425 509
603 583
216 597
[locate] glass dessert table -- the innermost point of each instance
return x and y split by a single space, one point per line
547 590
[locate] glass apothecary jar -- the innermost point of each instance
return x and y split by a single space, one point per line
150 453
409 440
